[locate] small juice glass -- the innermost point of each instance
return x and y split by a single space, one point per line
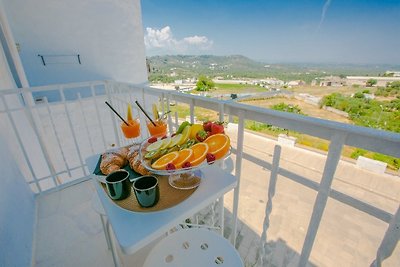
131 131
159 130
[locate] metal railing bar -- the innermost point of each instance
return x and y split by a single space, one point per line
162 100
169 117
222 165
56 135
192 111
72 129
238 171
86 127
362 137
176 120
108 87
334 194
96 106
65 185
29 114
57 173
335 149
11 110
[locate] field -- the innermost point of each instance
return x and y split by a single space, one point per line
306 108
326 90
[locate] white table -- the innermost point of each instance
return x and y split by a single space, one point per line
134 230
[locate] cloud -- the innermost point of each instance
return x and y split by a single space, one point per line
324 10
163 39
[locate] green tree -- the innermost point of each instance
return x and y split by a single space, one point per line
359 95
371 82
204 83
287 108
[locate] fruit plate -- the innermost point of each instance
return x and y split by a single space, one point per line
182 178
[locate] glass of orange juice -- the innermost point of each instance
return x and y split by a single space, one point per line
133 130
160 128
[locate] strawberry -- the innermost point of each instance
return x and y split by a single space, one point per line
210 158
202 135
217 127
186 165
207 126
170 167
152 139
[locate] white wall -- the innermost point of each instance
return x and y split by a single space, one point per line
17 210
107 34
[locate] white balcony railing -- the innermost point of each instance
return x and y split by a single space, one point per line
53 135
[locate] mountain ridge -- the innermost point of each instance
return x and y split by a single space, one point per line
169 67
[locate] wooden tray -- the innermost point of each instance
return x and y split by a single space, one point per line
169 196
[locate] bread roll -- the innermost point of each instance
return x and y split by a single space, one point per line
112 161
136 164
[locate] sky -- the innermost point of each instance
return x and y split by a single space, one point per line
276 31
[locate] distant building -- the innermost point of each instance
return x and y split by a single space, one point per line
362 80
392 73
332 81
178 82
296 83
272 81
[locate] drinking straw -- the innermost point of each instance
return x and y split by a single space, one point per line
145 113
165 114
117 113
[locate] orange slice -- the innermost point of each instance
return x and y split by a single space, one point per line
218 145
184 155
162 162
199 153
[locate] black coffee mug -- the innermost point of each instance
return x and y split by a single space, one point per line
146 190
118 185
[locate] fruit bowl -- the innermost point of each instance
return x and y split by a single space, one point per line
180 177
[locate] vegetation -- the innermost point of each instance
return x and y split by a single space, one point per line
392 89
362 110
383 115
204 83
287 108
236 66
370 113
371 82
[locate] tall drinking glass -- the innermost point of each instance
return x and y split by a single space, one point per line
132 130
160 128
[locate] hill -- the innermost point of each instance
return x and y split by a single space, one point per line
172 67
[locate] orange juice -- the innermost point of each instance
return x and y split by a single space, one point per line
131 131
159 130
